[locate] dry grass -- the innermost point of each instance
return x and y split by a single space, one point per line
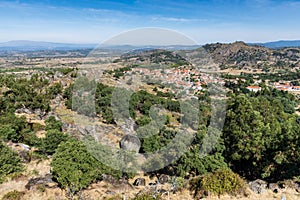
41 166
238 71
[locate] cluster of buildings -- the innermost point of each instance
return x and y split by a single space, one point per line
286 86
186 78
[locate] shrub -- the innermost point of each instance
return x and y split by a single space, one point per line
9 162
73 167
223 181
13 195
52 123
54 90
12 127
177 183
146 196
41 188
53 138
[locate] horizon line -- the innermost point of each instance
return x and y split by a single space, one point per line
102 44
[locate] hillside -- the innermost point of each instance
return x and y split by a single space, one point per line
239 55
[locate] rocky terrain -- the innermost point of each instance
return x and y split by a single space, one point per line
240 55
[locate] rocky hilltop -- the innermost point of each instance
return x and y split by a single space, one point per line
240 55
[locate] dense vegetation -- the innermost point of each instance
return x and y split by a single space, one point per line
33 94
261 138
26 93
260 131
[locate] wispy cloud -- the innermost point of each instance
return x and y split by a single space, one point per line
293 4
176 19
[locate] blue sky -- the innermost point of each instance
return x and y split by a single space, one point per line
92 21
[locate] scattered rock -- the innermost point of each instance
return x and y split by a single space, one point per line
258 186
39 114
82 131
52 114
66 126
110 192
297 184
24 110
139 182
130 143
206 193
24 147
281 185
90 130
25 157
58 75
108 178
19 146
202 194
162 191
34 182
163 178
155 183
274 187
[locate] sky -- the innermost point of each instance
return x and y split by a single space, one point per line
94 21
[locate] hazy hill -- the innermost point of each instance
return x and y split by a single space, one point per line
280 44
25 45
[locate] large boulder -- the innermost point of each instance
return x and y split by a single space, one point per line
130 143
258 186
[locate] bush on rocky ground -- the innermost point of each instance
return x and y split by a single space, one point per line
222 181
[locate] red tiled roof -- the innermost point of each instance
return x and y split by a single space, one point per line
253 87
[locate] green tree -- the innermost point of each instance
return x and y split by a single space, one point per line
73 167
12 127
245 137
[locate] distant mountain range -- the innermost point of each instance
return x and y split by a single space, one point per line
279 44
25 45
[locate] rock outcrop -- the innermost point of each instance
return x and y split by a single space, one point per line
258 186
